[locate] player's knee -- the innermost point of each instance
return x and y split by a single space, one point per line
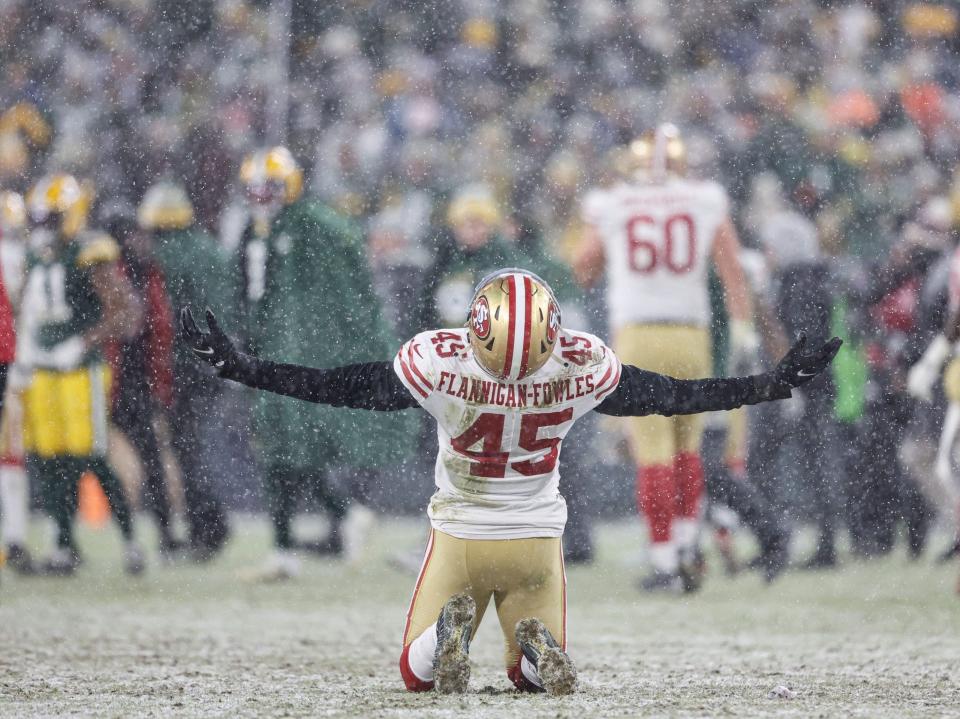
412 682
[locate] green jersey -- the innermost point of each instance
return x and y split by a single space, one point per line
59 296
308 299
197 273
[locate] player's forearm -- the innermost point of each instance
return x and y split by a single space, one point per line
726 258
122 312
120 323
642 393
373 385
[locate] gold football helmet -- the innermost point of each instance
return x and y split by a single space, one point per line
265 171
513 324
658 153
60 196
165 207
13 213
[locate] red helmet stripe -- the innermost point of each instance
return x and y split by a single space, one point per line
511 324
528 310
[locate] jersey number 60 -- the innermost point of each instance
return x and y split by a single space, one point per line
650 245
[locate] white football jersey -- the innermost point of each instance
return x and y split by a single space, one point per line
13 265
496 471
658 240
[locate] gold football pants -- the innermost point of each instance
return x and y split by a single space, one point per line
951 380
65 413
524 577
678 351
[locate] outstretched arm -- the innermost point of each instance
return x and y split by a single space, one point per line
372 385
641 393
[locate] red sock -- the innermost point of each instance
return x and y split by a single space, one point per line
413 683
688 470
519 680
656 498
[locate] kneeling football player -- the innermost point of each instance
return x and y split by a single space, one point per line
505 390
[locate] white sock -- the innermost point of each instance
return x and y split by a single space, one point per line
685 532
14 500
530 671
663 557
422 651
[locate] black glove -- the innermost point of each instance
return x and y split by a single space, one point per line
214 346
799 367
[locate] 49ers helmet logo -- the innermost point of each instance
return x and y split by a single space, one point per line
553 322
481 318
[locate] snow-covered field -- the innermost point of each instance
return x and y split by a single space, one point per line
877 640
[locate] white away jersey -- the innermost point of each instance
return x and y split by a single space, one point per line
657 240
496 471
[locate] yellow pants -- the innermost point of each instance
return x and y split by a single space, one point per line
524 577
675 350
65 413
951 380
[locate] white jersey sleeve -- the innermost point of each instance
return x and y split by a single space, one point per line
415 368
499 442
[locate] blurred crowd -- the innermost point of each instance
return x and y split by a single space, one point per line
435 140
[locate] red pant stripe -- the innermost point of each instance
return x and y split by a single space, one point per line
416 589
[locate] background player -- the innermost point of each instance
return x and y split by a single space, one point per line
303 266
75 302
14 490
505 391
656 236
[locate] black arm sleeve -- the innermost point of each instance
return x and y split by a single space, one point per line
372 385
640 393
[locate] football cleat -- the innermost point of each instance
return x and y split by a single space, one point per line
659 581
824 558
62 562
952 551
280 567
774 556
19 560
173 550
134 562
554 667
692 570
451 662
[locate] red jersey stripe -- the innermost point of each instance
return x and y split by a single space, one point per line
613 385
409 377
416 370
605 377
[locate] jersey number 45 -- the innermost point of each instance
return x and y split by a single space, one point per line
492 460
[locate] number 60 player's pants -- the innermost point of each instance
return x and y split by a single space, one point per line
524 577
